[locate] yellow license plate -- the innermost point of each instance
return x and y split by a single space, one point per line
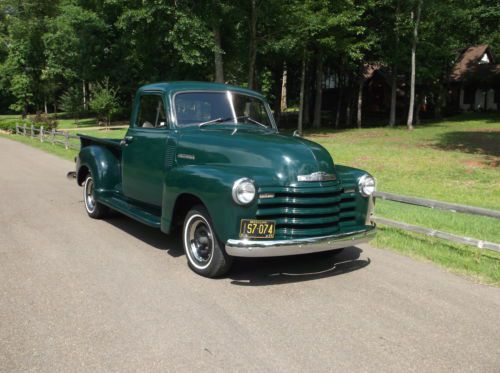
257 228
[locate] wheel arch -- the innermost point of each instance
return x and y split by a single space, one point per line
81 174
183 204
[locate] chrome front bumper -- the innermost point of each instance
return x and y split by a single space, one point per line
261 248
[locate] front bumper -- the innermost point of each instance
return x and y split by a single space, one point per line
253 248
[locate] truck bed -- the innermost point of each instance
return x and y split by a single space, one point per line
89 140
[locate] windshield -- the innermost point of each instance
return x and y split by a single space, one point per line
201 108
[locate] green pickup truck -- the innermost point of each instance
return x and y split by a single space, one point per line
209 158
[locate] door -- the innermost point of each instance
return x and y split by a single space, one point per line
144 149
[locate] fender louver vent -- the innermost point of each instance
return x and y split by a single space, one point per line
170 153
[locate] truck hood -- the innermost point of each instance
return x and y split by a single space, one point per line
267 157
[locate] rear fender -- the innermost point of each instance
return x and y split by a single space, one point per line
103 164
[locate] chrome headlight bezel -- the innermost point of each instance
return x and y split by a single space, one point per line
242 187
367 185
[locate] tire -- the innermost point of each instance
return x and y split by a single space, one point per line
94 209
204 252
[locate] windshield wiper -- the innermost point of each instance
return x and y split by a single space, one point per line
247 117
216 120
220 120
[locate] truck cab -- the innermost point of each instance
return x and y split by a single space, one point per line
209 158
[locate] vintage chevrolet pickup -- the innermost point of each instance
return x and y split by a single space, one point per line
209 158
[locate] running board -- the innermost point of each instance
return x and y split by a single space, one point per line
131 210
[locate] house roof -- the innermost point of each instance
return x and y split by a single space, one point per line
468 66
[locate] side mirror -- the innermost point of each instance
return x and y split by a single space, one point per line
297 133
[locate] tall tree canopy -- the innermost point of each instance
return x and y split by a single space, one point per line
49 47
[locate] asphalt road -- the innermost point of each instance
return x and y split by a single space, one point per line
78 294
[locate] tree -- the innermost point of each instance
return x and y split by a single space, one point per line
71 102
104 100
74 46
25 60
413 64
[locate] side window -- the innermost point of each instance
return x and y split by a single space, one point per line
151 112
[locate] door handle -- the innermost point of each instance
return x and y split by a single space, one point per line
127 140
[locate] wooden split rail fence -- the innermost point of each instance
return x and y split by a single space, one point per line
51 136
481 244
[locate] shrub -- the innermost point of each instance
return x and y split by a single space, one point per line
9 125
41 119
71 102
104 100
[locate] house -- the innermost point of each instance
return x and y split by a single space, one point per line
377 81
474 82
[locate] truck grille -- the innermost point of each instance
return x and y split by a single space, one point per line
307 211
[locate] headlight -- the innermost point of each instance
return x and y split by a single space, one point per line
366 184
243 191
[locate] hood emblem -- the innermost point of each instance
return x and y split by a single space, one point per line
317 176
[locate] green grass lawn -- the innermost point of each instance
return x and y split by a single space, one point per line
457 160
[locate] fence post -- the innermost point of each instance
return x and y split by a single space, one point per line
41 133
32 131
52 136
17 129
24 129
66 139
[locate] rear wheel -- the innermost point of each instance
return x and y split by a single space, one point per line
205 254
94 209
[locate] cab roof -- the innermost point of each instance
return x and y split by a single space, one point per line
171 87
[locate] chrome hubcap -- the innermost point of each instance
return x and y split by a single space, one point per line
89 195
199 241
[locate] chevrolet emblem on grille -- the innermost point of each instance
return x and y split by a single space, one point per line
317 176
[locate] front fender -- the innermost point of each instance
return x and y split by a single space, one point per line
104 166
349 177
213 186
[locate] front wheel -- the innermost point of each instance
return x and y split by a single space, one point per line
205 254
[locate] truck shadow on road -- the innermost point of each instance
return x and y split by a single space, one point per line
151 236
290 269
255 271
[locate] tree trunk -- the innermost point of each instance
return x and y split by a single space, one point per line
219 63
438 112
45 107
84 92
394 80
348 104
318 91
348 113
307 98
283 105
394 87
413 65
339 106
302 89
360 102
253 45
